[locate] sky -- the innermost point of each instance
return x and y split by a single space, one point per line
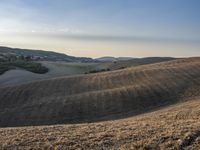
95 28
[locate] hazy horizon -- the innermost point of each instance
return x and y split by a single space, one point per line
90 28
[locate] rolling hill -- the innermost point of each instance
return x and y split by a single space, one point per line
102 96
121 64
44 55
111 59
55 69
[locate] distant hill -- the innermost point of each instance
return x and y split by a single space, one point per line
111 59
121 64
45 55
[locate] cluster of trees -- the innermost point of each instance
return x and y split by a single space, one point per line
8 62
96 71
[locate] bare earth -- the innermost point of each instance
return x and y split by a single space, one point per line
175 127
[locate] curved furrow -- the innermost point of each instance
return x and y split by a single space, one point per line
97 96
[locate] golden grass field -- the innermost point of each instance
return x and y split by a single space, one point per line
154 106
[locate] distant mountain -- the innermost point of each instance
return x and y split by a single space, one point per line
111 59
45 55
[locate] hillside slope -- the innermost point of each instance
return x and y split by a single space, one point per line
100 96
176 127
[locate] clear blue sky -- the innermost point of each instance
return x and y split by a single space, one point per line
97 28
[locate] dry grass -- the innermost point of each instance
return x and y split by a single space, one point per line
175 127
102 96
